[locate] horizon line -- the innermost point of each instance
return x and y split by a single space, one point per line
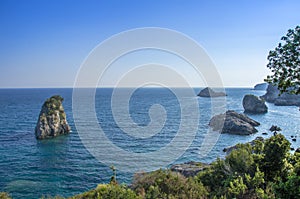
122 87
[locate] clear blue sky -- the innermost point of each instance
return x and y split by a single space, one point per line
43 42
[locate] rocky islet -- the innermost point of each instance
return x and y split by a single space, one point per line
52 119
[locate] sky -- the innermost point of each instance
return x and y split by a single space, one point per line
44 42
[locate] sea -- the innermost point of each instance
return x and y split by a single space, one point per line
69 165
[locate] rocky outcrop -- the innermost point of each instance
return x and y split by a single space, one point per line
285 99
208 92
233 123
261 87
190 168
254 104
252 143
52 119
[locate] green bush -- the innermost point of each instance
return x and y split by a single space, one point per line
167 184
263 170
4 195
108 191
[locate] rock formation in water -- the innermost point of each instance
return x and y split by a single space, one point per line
232 122
285 99
52 120
262 86
254 104
208 92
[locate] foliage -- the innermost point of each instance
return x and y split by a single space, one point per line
241 161
167 184
276 151
113 179
284 62
289 188
4 195
237 187
54 104
108 191
215 178
264 169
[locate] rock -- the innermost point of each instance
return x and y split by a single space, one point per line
190 168
252 143
285 99
233 123
275 128
254 104
208 92
297 150
292 148
265 133
294 139
52 119
262 86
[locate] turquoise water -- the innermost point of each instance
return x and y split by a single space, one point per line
63 166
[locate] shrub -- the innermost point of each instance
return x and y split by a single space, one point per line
4 195
167 184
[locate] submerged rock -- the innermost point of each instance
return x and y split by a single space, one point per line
262 86
208 92
254 104
189 169
285 99
232 122
52 120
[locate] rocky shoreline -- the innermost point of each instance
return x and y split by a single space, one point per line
285 99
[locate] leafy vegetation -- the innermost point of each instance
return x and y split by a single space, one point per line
167 184
53 104
264 170
109 191
284 62
4 195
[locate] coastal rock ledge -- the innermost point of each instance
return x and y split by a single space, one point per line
208 92
52 120
232 122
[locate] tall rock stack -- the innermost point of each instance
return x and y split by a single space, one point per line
52 120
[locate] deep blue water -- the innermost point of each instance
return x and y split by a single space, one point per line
63 166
